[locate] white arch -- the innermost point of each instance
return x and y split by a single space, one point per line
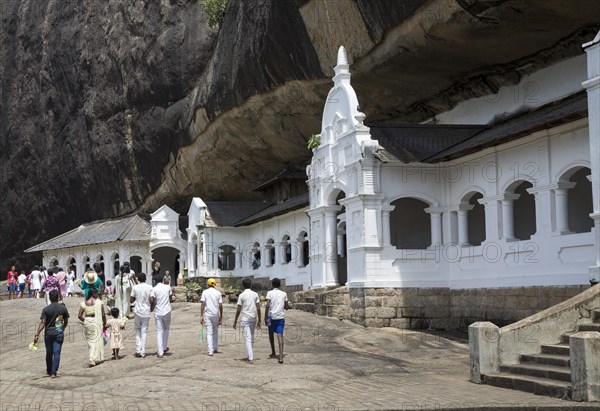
179 247
472 189
53 257
332 190
414 194
574 166
302 230
511 185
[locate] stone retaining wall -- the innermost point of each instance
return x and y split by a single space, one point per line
439 308
230 287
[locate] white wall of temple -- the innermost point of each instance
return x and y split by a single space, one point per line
237 248
136 252
551 256
548 84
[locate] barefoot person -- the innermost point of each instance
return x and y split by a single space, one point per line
160 298
140 297
54 320
211 313
277 302
249 306
93 317
122 291
116 325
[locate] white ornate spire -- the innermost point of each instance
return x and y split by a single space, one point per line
342 58
342 70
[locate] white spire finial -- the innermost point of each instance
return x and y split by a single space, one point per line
342 57
342 69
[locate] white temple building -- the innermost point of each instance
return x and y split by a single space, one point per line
136 239
466 201
497 192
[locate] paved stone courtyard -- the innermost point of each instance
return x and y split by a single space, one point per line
329 365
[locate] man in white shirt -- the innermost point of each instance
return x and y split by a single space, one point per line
249 306
160 299
140 298
211 313
21 279
277 302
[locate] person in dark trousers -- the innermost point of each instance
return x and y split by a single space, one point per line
54 320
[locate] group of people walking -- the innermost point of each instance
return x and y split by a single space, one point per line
37 282
129 290
248 305
104 324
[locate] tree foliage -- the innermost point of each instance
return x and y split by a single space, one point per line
215 12
314 141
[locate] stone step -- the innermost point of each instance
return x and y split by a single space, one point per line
538 386
589 327
538 370
596 316
547 359
564 339
556 349
308 307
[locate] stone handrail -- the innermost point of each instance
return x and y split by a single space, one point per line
491 346
546 327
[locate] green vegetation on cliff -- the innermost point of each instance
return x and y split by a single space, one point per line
215 11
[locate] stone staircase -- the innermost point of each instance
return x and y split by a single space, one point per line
547 373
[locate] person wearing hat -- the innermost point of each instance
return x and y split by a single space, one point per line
93 317
90 280
211 314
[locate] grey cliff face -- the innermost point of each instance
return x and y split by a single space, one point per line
109 107
92 95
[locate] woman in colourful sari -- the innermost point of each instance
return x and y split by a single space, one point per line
91 313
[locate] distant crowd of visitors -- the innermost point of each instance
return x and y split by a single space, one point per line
131 293
40 279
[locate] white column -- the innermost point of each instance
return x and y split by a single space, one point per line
282 246
561 197
592 85
447 223
300 252
385 222
508 226
331 273
463 227
493 218
238 257
269 250
436 226
340 245
315 234
202 249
